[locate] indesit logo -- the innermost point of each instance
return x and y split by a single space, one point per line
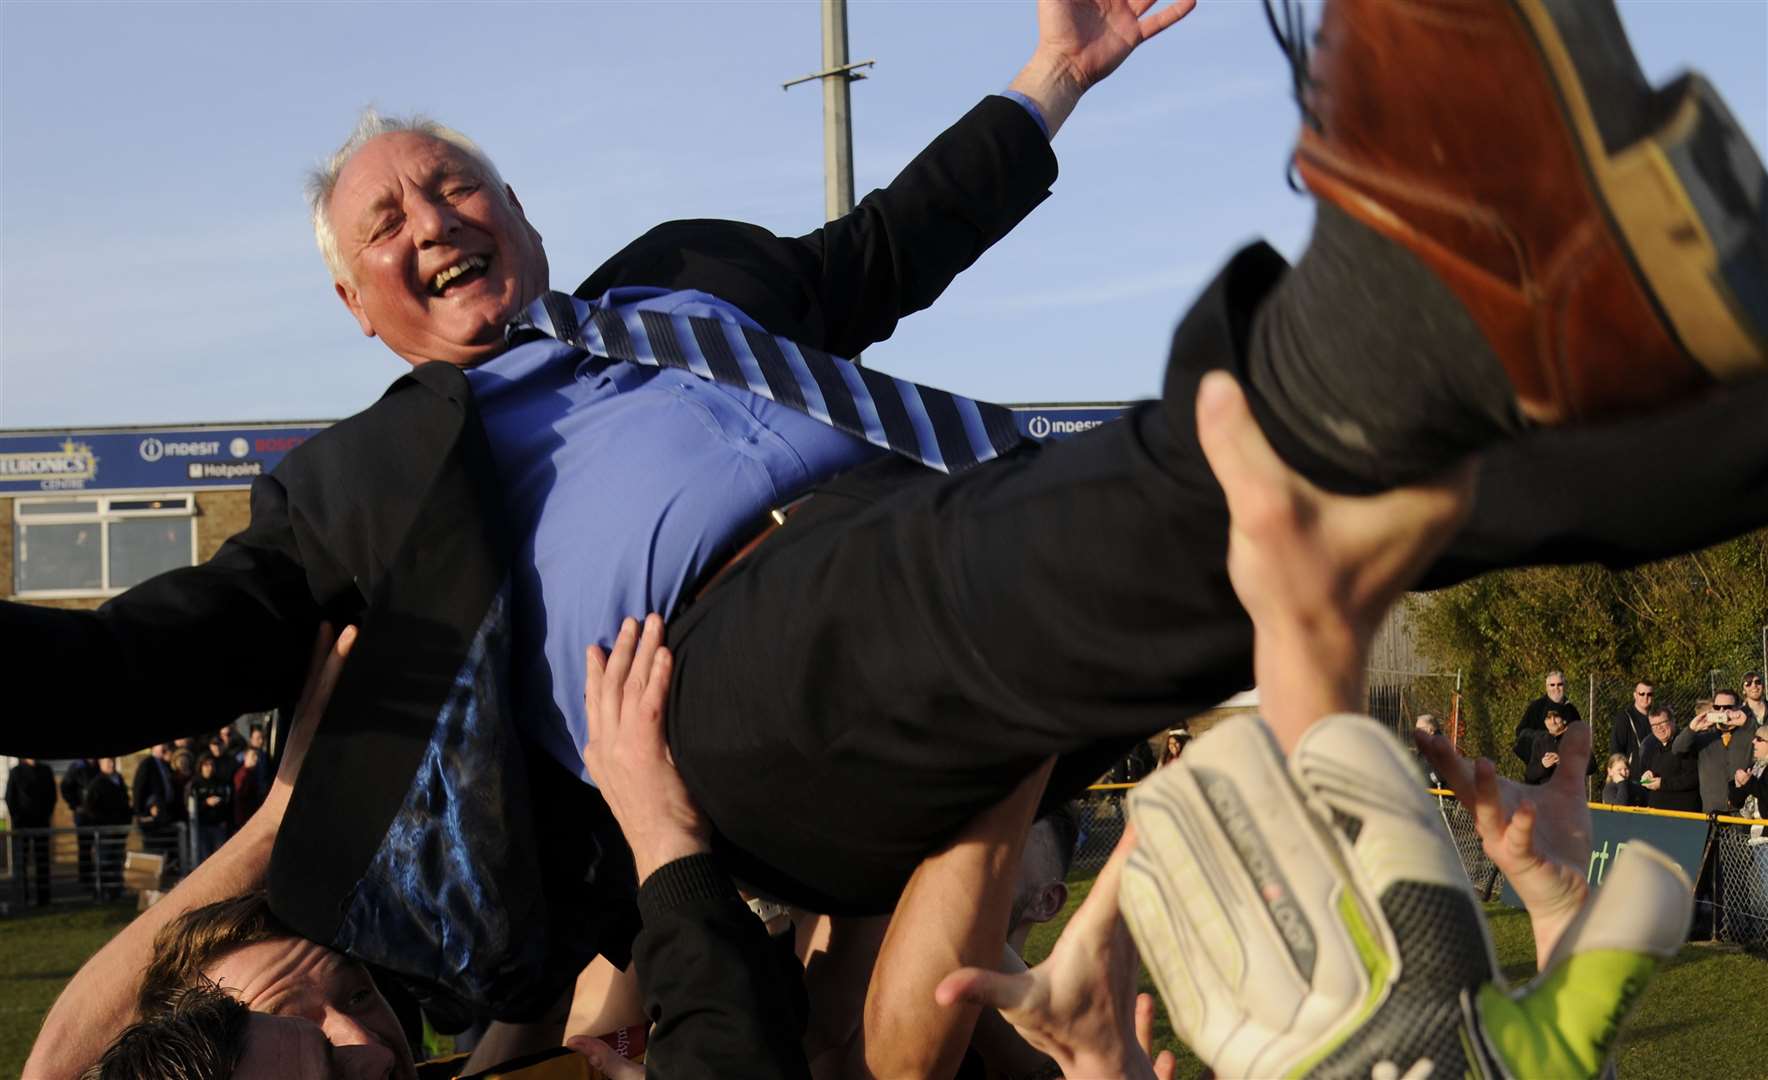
1039 426
153 449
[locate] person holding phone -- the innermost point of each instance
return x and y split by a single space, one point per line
1719 742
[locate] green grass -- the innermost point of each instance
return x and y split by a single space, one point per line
39 953
1700 1016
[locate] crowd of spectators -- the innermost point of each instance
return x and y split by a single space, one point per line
210 789
1712 764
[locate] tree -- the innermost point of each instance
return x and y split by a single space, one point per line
1672 621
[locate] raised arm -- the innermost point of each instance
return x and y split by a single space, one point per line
711 981
844 286
99 1002
953 913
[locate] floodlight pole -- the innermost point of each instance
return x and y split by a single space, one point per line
837 73
837 113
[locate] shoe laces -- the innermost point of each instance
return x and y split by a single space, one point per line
1288 23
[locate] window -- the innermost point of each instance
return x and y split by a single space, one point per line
99 545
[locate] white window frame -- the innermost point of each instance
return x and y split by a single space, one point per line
103 516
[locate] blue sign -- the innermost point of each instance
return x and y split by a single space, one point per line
1684 840
1062 421
162 459
233 456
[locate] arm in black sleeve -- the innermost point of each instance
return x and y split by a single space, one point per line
181 652
844 286
1525 731
1535 772
711 981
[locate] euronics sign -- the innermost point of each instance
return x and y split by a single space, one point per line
161 458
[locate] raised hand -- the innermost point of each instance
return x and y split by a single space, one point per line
1538 836
1080 1005
1091 38
1081 42
628 756
1317 572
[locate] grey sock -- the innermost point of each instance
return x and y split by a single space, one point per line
1372 363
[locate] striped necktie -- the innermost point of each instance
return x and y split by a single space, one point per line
940 430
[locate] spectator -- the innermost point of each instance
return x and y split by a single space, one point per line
1544 755
1631 726
30 803
248 793
211 797
1619 789
1749 786
1719 742
1176 740
183 759
1043 873
159 803
1533 722
106 803
233 748
1669 779
1753 699
258 740
74 779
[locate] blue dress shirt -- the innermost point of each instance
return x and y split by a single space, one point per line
624 484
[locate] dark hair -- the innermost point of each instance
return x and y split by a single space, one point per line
200 1036
1734 697
198 938
1064 823
1658 711
1552 711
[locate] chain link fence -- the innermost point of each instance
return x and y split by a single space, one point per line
1739 855
1740 885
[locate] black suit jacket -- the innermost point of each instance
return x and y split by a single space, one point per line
419 808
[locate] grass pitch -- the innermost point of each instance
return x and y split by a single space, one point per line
1700 1016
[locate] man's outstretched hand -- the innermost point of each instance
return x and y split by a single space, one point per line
1316 571
1538 836
1081 42
1080 1005
628 755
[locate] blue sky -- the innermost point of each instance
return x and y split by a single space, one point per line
156 265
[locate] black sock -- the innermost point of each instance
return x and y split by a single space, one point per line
1372 365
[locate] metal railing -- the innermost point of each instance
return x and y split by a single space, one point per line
84 863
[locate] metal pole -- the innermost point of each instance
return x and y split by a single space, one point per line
837 108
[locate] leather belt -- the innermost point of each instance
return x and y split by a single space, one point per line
775 518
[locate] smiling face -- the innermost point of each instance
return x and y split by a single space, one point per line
1555 724
294 978
1663 727
1556 687
439 258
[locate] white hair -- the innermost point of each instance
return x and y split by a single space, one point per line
371 125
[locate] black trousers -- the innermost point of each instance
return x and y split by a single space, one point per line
907 647
30 857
